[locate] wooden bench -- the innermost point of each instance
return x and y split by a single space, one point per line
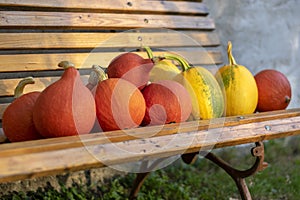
36 36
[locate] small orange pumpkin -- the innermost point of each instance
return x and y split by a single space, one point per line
274 90
17 120
166 102
131 67
119 104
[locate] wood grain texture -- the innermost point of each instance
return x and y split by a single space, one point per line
3 138
85 152
144 132
153 6
74 20
81 40
3 106
34 62
7 86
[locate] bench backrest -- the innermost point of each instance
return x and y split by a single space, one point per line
36 35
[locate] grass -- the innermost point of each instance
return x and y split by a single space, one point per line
202 180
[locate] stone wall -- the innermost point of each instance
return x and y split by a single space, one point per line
264 34
92 178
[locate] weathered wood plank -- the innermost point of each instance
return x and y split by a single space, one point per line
74 20
3 138
142 132
83 40
157 6
7 86
32 62
3 106
103 154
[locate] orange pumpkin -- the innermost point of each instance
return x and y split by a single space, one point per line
17 120
274 90
131 67
166 102
119 104
66 107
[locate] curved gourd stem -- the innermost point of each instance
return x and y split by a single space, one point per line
182 62
21 85
149 52
230 56
65 64
155 59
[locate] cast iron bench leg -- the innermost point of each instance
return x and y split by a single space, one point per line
237 175
140 178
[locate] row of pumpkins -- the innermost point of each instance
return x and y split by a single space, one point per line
134 91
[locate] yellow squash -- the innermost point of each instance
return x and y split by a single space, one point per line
163 70
239 86
206 94
207 97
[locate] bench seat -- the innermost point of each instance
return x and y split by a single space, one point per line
60 155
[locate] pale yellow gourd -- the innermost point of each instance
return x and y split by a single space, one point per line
239 86
164 70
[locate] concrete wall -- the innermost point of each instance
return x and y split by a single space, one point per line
264 34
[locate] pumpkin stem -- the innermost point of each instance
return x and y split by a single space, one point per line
97 75
65 64
287 99
229 52
21 85
182 62
149 52
157 59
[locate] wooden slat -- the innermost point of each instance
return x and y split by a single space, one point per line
142 132
3 106
31 62
3 138
7 86
24 164
61 20
106 40
157 6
